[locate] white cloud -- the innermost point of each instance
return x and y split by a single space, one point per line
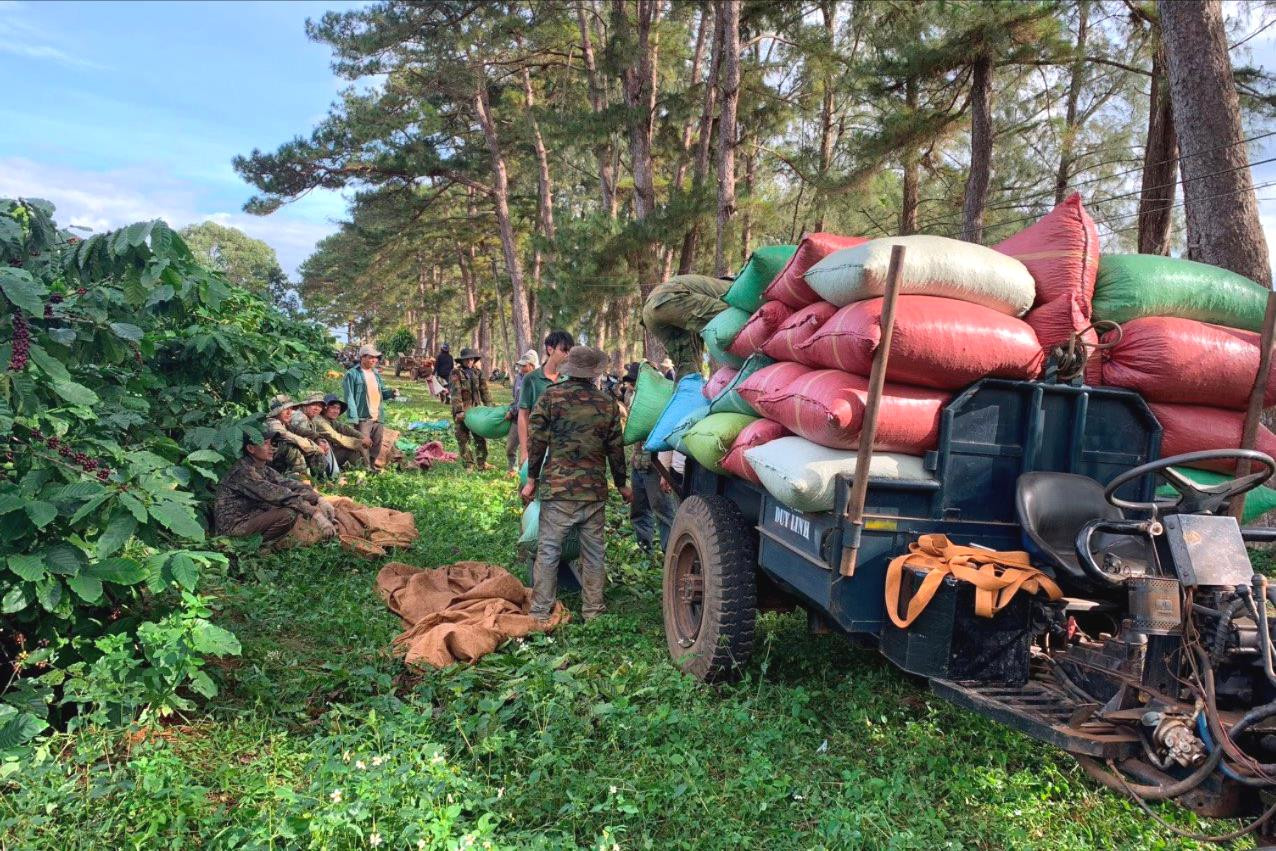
102 200
23 39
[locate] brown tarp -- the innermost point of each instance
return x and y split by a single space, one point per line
361 528
458 612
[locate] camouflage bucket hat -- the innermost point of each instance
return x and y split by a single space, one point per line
584 362
281 405
312 399
469 354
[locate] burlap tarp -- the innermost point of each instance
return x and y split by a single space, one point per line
361 528
458 612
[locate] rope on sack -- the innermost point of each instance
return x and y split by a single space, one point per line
1073 355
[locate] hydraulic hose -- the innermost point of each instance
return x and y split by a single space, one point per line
1160 792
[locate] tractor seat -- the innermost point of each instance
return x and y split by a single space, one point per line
1052 508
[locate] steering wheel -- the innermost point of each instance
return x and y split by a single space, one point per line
1193 498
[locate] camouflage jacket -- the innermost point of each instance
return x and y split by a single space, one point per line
573 435
276 429
302 425
251 487
469 389
338 433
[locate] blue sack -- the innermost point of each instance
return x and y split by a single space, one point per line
687 397
678 432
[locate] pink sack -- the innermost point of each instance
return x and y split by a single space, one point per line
764 322
938 342
826 406
770 379
719 380
796 330
1167 359
1061 251
790 285
1191 428
754 434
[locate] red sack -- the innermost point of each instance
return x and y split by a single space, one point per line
1191 428
1167 359
796 330
764 322
826 406
754 434
1061 252
770 379
790 285
720 379
938 342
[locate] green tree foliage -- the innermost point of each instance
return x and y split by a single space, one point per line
133 372
244 261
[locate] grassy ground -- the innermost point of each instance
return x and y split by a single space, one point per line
586 738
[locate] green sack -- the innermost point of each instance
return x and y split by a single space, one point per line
764 264
531 523
489 422
721 332
679 432
711 438
1131 286
729 401
1258 502
522 476
652 393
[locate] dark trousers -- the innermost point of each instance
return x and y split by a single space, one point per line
463 438
271 524
648 499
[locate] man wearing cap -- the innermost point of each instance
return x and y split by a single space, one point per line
575 436
349 447
253 499
290 449
302 422
364 393
557 345
648 499
469 390
666 369
529 362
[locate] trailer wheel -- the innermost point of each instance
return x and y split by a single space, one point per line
710 590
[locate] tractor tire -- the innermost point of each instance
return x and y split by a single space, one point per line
710 588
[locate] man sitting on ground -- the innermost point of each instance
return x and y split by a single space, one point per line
349 447
290 449
253 499
303 422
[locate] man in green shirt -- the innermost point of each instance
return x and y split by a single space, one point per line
536 382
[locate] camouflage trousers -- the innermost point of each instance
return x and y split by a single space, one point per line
291 461
558 517
351 459
463 438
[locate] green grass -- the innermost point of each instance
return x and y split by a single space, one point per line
584 738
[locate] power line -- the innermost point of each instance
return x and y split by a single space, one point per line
1108 222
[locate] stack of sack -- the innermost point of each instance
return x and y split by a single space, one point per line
1189 345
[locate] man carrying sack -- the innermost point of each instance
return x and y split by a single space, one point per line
469 390
364 393
574 436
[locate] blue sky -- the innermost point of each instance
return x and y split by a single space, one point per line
118 112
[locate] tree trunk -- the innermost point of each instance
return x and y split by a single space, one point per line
500 203
746 218
972 209
423 329
465 262
1071 126
598 103
828 9
912 168
1218 189
545 188
435 342
1160 166
697 56
700 170
728 12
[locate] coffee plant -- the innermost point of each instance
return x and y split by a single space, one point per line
132 375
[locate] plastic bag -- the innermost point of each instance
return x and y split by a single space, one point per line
803 475
721 332
785 343
1131 286
764 264
756 433
652 393
678 434
938 342
728 400
711 438
1191 428
488 422
933 265
530 533
1166 359
761 326
826 406
790 285
687 397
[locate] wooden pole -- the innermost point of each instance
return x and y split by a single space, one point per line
868 431
1249 434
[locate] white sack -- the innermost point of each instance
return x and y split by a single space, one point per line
802 474
933 265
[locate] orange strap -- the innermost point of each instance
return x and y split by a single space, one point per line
997 576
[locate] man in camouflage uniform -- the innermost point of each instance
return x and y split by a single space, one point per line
575 436
468 389
648 499
349 446
303 422
253 499
290 448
